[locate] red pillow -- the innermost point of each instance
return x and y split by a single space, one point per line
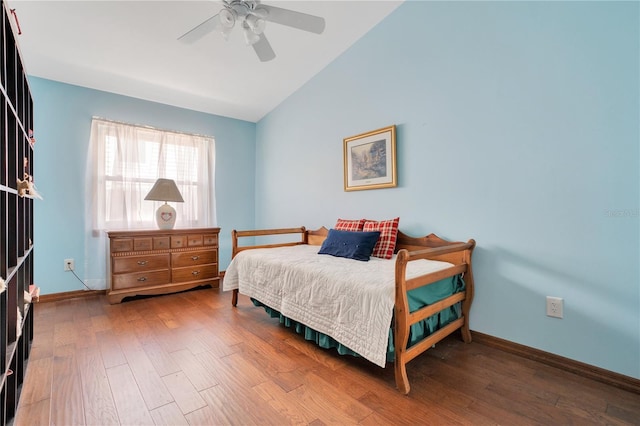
349 225
386 244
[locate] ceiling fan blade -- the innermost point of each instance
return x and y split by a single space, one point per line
263 49
201 30
291 18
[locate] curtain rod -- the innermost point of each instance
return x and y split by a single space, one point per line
144 126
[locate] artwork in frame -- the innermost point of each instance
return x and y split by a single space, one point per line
370 160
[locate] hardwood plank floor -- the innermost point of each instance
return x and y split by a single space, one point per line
190 358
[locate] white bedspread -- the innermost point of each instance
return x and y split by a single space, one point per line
349 300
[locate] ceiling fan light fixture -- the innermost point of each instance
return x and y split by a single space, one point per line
255 23
225 31
227 18
249 36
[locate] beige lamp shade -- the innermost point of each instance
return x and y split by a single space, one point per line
165 190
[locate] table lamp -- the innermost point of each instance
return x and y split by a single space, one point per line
165 190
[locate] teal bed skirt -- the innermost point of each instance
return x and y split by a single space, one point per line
418 298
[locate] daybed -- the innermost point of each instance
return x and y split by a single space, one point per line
344 303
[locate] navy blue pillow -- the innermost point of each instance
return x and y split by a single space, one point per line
349 244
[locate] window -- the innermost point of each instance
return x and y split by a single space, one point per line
126 160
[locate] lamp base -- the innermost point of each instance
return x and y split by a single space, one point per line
166 216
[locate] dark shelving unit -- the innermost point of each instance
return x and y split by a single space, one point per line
16 219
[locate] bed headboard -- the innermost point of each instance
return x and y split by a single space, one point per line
316 238
407 242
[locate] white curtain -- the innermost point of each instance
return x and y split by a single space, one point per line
124 162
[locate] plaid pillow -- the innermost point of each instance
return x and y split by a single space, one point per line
349 225
386 244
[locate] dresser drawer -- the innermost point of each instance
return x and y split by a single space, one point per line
161 243
178 241
140 279
121 244
190 258
194 240
122 265
195 273
140 244
210 240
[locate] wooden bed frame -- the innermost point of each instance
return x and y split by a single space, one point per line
407 249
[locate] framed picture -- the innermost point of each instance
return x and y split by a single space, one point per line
370 160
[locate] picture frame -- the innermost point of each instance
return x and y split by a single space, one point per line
370 160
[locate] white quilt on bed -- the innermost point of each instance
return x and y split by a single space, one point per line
349 300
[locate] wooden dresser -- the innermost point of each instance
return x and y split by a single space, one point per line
161 261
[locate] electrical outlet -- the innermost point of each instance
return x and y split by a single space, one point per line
555 306
69 265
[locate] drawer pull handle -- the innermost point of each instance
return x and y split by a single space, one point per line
142 262
142 279
195 273
195 257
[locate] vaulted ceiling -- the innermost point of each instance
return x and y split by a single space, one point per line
132 48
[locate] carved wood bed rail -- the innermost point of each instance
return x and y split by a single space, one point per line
408 248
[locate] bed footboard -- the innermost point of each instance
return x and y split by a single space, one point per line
459 254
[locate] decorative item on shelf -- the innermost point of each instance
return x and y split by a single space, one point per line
19 323
32 139
165 190
34 291
27 299
15 17
27 187
3 286
25 162
23 187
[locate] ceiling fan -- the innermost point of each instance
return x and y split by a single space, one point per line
252 16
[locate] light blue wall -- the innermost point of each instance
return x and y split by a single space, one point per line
517 126
62 127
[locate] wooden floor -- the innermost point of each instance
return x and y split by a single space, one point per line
191 358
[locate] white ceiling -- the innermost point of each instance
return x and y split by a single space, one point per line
131 48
